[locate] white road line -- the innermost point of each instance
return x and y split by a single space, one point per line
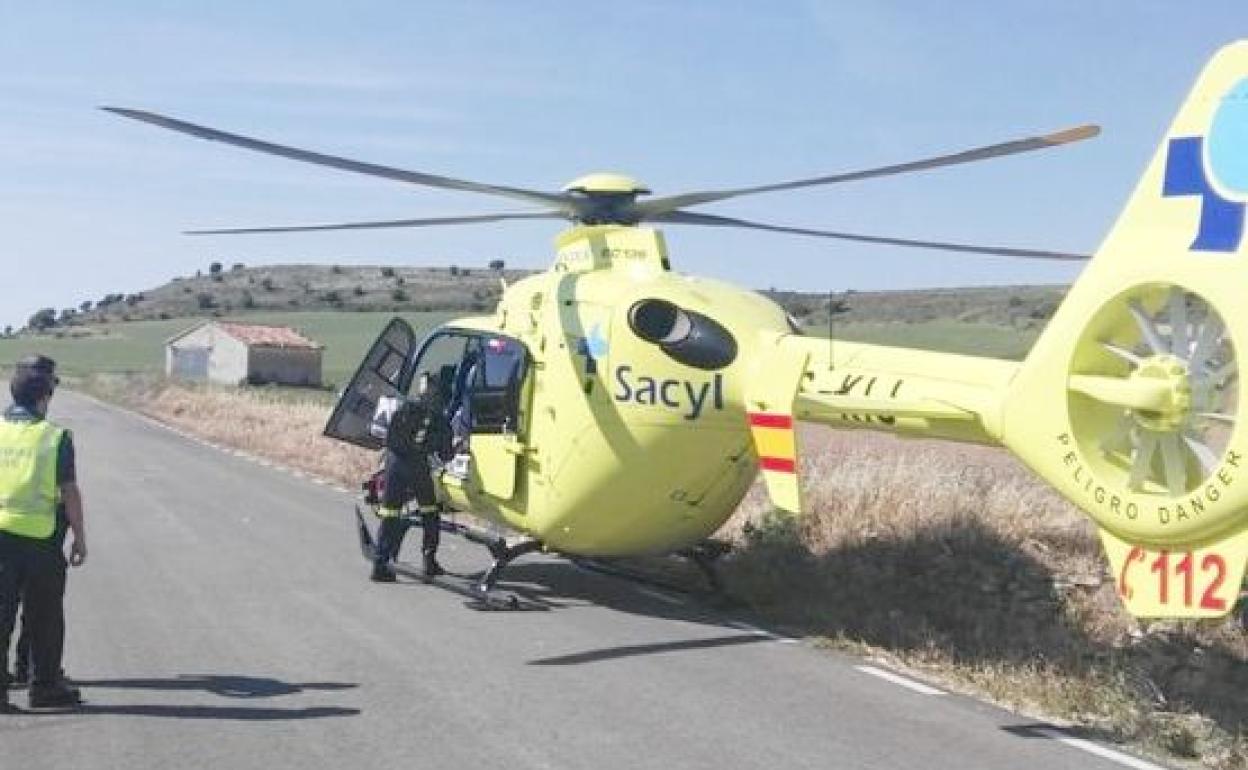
763 632
1099 750
660 595
897 679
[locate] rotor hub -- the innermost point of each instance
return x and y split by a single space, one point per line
606 183
1174 372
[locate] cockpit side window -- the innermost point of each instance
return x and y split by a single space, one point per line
481 376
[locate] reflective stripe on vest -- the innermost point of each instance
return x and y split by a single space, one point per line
28 490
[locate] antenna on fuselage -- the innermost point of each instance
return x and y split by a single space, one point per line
831 329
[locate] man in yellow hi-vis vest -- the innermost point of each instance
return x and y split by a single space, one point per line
37 475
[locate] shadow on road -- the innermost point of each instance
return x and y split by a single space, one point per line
227 686
224 686
612 653
223 713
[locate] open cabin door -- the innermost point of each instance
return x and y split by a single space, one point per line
384 372
483 377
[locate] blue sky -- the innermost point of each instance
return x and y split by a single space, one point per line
683 95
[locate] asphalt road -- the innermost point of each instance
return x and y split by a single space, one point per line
223 620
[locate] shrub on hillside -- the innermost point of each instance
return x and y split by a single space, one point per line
43 318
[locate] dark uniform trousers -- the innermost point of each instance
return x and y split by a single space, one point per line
32 573
23 650
407 476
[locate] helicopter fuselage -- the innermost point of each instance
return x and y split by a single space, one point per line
620 445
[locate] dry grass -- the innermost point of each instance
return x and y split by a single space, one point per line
279 425
952 560
956 561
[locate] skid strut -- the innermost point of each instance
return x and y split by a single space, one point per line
703 556
502 552
503 555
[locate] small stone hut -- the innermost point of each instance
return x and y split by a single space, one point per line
237 354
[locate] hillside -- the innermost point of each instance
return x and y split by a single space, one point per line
303 288
1021 307
299 288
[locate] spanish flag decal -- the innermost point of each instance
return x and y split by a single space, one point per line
776 445
773 439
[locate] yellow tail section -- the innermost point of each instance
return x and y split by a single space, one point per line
1129 402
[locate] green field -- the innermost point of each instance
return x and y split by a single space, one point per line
976 339
139 346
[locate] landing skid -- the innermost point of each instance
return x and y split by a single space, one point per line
703 556
483 593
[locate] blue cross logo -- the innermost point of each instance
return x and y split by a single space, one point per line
593 347
1194 163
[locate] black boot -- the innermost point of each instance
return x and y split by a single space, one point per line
389 540
432 524
58 694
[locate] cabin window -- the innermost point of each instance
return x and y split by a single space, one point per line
481 377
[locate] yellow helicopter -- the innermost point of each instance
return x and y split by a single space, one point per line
620 408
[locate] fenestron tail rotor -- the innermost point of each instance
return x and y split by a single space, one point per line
604 199
1166 379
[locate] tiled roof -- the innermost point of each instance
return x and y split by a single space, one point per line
267 336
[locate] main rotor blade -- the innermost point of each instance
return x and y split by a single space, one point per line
345 164
426 222
691 218
655 206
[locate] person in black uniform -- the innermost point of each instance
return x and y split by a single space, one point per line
37 475
22 652
418 433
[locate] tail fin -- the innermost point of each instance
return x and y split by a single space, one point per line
1129 402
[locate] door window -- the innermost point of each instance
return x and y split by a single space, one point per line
480 375
380 376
